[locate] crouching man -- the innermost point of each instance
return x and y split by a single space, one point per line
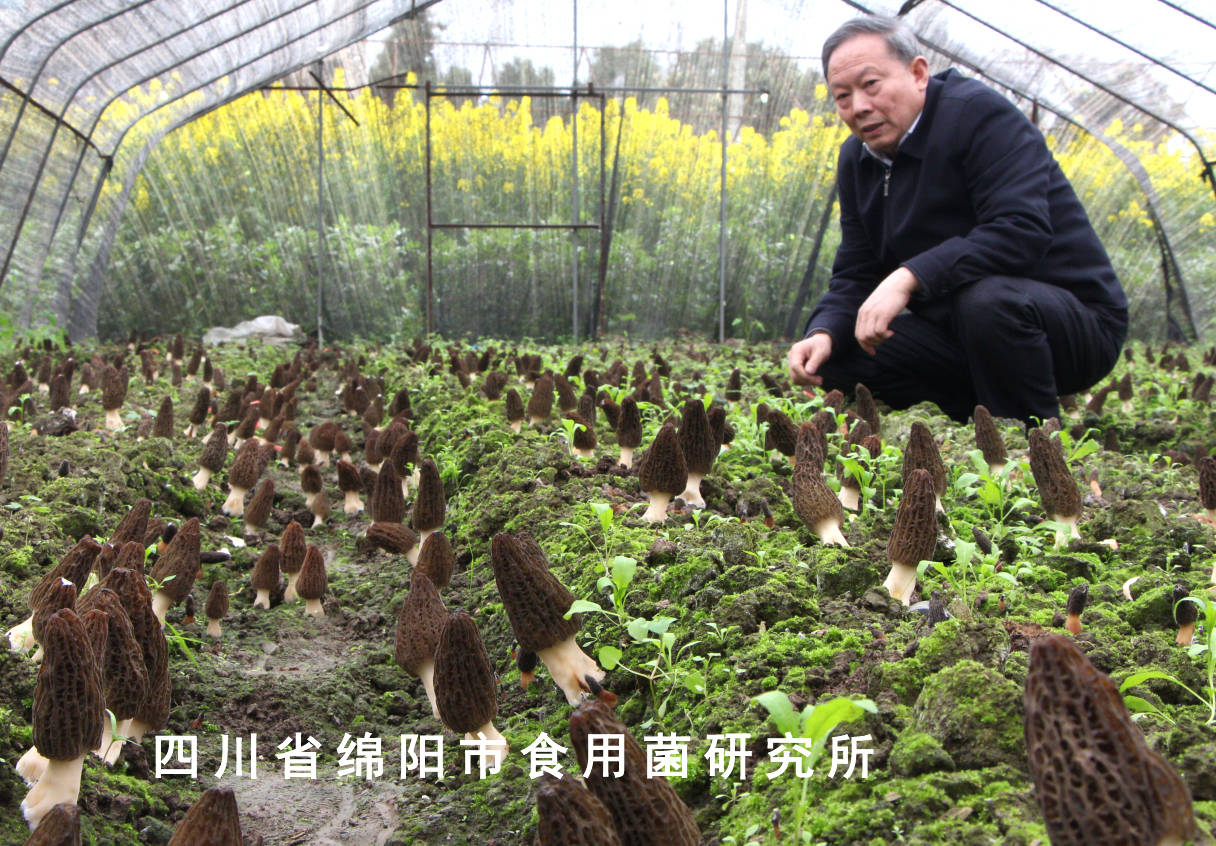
952 207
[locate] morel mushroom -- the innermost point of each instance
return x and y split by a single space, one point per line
293 547
1077 598
134 525
1058 490
570 815
867 409
419 623
644 810
541 403
629 430
915 534
216 608
698 448
816 506
211 459
75 566
662 473
3 450
59 827
163 427
321 438
1207 490
395 538
311 483
124 675
351 485
312 582
514 410
242 476
1125 392
922 452
68 714
988 439
782 434
466 688
113 393
211 821
583 443
177 568
535 602
260 505
265 576
436 559
1186 612
430 507
1096 779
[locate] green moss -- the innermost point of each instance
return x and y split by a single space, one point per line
916 752
975 713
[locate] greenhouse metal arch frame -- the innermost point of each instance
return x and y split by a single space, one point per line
45 45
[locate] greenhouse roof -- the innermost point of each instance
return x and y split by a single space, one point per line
88 88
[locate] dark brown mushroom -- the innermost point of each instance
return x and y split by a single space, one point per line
816 506
134 525
988 439
68 714
351 485
387 503
59 827
243 475
322 439
163 426
124 675
1057 489
645 811
810 447
419 622
493 384
1077 599
211 821
922 452
698 448
466 688
74 567
782 434
436 559
915 534
3 450
312 582
734 386
540 406
514 410
395 538
177 568
265 576
216 608
570 815
1096 779
867 409
662 473
584 441
1185 613
293 548
629 430
257 512
1207 490
536 602
430 508
211 459
113 394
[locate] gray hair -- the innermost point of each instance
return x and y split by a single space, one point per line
900 38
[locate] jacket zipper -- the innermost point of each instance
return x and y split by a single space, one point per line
886 182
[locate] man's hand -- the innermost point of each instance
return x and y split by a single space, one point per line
806 357
876 313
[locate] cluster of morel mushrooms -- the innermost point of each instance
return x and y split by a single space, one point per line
97 616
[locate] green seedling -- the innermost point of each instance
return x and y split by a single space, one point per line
1202 648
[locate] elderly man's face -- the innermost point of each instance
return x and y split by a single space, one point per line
876 95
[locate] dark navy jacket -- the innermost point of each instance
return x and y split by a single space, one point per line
972 192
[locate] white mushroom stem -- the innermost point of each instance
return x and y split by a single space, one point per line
234 505
570 666
190 430
318 519
405 488
829 532
656 512
627 456
113 420
213 628
515 425
262 600
411 554
850 497
60 783
161 603
1211 513
426 672
353 504
938 504
901 581
692 491
251 529
423 534
535 419
290 595
1063 537
31 765
263 423
1127 406
136 729
495 744
322 457
581 453
201 478
312 607
84 390
1186 634
309 499
107 738
995 467
21 636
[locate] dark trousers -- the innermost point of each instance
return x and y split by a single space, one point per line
1014 345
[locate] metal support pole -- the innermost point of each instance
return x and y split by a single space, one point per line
574 176
430 223
722 183
320 204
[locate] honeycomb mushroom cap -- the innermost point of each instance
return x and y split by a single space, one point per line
61 595
60 827
987 438
584 432
1096 779
247 466
124 674
1057 488
348 477
1207 482
430 508
217 601
215 450
663 469
392 537
514 406
867 409
163 427
914 536
257 512
696 438
113 387
313 580
293 547
540 405
133 526
68 710
535 601
922 452
644 810
419 623
74 566
181 561
322 437
3 450
311 481
466 689
211 821
436 559
265 575
201 407
814 501
387 503
629 426
570 815
782 433
810 447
